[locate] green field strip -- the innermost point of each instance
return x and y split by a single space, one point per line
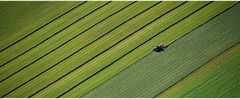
219 54
43 50
53 29
17 18
133 9
157 71
96 53
42 26
32 55
95 72
86 73
114 40
213 79
123 63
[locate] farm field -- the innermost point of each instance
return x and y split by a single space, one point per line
221 71
105 49
158 76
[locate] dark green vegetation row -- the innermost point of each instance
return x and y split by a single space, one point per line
104 49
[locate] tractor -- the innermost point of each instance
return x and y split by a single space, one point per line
160 48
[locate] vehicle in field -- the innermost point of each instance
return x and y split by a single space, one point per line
160 48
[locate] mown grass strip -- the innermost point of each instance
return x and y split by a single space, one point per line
59 39
218 67
87 66
125 37
168 46
117 10
44 32
129 52
66 42
124 90
133 15
158 95
196 69
14 14
54 34
43 26
202 24
115 45
101 52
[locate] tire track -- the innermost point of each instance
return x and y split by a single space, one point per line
66 42
132 50
55 34
43 26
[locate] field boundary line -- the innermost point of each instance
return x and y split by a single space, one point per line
86 46
54 34
219 54
43 26
65 42
134 49
208 60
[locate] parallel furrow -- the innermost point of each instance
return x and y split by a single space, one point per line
198 68
66 43
79 50
133 49
168 46
55 34
132 69
210 59
97 54
43 26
